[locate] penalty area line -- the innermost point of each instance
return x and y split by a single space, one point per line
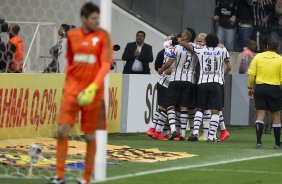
187 167
240 171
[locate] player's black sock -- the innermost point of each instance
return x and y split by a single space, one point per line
166 129
183 121
259 130
206 122
161 121
277 133
213 126
197 122
191 116
177 120
171 118
155 119
221 121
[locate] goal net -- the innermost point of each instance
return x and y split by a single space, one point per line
29 110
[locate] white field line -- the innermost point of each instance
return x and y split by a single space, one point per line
240 171
187 167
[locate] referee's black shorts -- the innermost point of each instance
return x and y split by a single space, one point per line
162 95
209 96
179 93
268 97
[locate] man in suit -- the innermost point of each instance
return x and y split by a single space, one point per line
137 55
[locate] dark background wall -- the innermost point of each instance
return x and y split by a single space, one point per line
172 16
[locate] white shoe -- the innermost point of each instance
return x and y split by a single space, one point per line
56 180
81 181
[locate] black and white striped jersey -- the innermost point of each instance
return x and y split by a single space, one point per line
211 64
184 66
169 53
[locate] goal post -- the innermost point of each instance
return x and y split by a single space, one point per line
100 166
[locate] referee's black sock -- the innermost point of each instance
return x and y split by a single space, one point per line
277 133
259 130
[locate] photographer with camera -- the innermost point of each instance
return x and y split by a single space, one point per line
58 51
15 50
3 29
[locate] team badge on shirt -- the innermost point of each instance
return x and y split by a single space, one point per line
95 40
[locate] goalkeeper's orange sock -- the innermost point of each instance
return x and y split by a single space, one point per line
62 150
89 160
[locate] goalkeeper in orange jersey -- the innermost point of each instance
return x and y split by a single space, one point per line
89 55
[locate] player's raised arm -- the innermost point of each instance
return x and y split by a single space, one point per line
166 66
228 67
188 46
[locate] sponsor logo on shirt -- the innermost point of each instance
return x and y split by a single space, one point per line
170 54
224 11
85 58
211 73
212 53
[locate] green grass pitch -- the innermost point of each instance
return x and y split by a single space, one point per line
239 146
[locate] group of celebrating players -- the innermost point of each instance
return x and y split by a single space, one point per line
191 88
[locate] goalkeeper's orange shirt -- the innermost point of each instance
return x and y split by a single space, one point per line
89 56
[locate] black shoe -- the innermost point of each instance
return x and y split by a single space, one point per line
56 180
193 137
258 146
179 138
172 136
212 140
277 146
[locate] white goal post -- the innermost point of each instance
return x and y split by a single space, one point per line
100 166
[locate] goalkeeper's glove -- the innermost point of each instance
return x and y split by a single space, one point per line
86 96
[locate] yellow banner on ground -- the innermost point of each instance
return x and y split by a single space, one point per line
30 104
78 148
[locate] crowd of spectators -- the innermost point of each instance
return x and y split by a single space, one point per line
247 20
12 52
241 25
